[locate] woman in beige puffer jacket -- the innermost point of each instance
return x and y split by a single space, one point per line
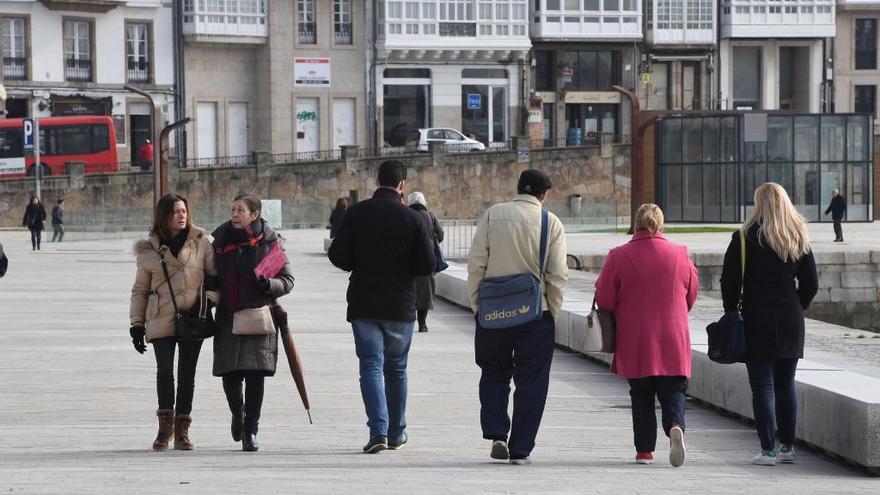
190 261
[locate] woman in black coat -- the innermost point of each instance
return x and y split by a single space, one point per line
425 284
246 342
336 216
780 282
34 219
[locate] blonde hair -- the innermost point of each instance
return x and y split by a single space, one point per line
779 223
649 217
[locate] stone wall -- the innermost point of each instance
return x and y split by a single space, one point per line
456 186
849 282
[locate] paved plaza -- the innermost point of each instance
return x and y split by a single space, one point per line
77 404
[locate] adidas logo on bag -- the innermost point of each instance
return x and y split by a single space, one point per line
503 315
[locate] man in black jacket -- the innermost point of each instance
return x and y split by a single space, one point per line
58 221
384 245
837 208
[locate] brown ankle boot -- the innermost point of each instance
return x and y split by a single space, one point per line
181 432
166 429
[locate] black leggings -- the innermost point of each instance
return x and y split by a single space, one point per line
251 402
186 372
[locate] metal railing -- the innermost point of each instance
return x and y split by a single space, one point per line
78 69
457 238
219 161
14 68
343 34
306 156
138 71
307 33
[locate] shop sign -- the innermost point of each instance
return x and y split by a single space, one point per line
80 106
536 116
312 72
592 97
474 101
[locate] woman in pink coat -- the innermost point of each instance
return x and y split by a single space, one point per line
650 284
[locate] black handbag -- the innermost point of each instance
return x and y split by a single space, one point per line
438 253
187 326
727 336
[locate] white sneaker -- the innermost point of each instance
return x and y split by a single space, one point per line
765 458
499 450
520 462
786 454
676 446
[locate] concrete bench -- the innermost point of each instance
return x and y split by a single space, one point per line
838 410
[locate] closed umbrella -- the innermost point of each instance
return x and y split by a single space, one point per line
293 359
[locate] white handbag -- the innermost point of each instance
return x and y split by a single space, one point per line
253 321
600 330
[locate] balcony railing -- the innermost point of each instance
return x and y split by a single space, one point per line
78 69
198 19
138 71
343 34
307 34
14 68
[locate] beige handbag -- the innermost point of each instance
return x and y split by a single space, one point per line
601 332
255 321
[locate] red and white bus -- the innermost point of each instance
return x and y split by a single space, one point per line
90 139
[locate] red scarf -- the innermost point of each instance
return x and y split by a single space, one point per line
251 242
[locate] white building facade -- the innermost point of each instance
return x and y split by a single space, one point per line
773 54
74 57
581 49
459 64
679 55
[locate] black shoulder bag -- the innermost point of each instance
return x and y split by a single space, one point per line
189 327
727 340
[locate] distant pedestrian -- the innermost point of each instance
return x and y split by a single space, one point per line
4 262
189 260
425 283
58 221
336 216
780 282
837 208
386 246
246 342
35 220
650 284
145 155
507 242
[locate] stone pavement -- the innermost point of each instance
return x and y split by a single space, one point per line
76 405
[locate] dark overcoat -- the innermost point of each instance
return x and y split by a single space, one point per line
776 294
249 352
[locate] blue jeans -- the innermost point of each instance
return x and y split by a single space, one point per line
774 400
383 347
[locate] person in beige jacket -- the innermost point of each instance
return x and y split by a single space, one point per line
190 261
507 242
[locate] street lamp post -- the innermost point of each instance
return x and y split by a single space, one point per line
635 155
155 117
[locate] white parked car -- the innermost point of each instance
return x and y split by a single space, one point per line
455 141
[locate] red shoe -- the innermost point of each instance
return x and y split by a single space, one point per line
644 458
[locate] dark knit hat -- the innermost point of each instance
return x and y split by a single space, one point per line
533 182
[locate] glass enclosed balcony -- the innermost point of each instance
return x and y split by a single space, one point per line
777 18
224 18
680 22
587 19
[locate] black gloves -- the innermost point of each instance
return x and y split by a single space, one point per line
137 338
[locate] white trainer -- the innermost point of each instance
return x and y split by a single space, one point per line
765 458
499 450
677 446
786 455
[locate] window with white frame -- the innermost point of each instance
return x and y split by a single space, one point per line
305 22
342 21
454 17
137 51
14 54
78 50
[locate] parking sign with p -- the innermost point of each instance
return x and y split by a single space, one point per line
28 127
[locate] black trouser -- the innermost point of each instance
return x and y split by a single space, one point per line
58 232
524 353
423 317
670 391
186 372
774 400
838 229
36 235
252 400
